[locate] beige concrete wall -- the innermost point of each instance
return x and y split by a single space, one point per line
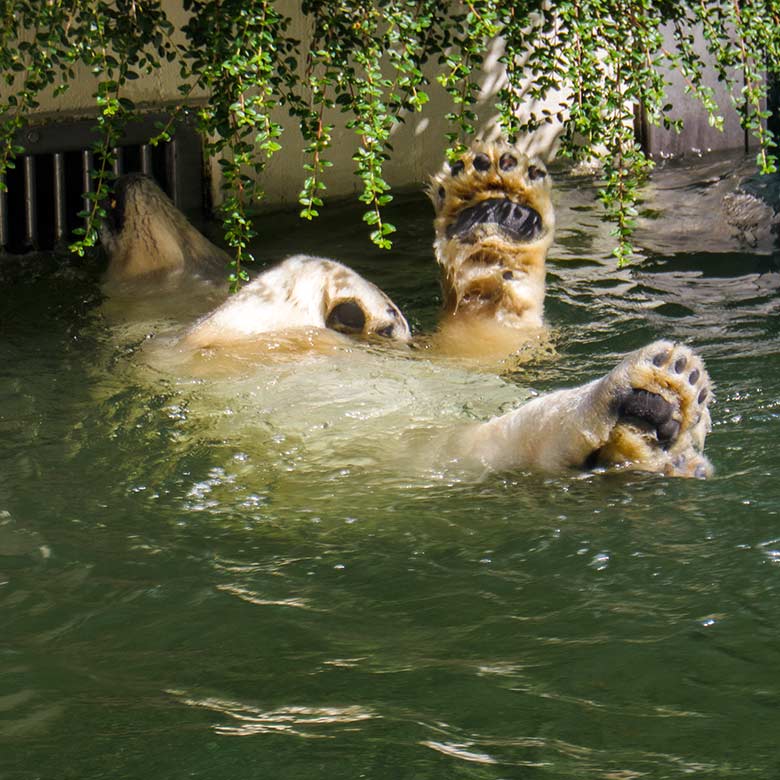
698 136
152 90
418 143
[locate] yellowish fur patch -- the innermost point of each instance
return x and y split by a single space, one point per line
487 272
484 343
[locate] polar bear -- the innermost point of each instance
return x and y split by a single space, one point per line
494 223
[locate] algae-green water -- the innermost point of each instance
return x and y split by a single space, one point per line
196 582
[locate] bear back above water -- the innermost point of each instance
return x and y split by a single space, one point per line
147 239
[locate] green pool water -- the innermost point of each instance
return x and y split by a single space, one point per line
196 582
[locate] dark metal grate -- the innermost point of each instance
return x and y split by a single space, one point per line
45 191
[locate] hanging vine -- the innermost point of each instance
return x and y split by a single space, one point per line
241 72
611 58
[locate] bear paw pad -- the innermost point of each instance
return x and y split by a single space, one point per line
661 399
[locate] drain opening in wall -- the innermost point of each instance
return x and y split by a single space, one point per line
39 211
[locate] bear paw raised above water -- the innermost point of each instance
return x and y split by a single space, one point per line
301 292
661 395
649 413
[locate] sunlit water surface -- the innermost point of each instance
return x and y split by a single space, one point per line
229 577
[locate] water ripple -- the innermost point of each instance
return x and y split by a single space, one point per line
299 721
255 598
460 751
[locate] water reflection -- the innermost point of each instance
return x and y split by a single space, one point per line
306 722
256 598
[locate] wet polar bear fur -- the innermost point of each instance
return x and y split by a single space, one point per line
160 245
494 224
302 292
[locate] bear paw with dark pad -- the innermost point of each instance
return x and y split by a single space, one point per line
497 185
661 400
646 408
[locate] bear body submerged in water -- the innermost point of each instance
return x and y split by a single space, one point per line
494 224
